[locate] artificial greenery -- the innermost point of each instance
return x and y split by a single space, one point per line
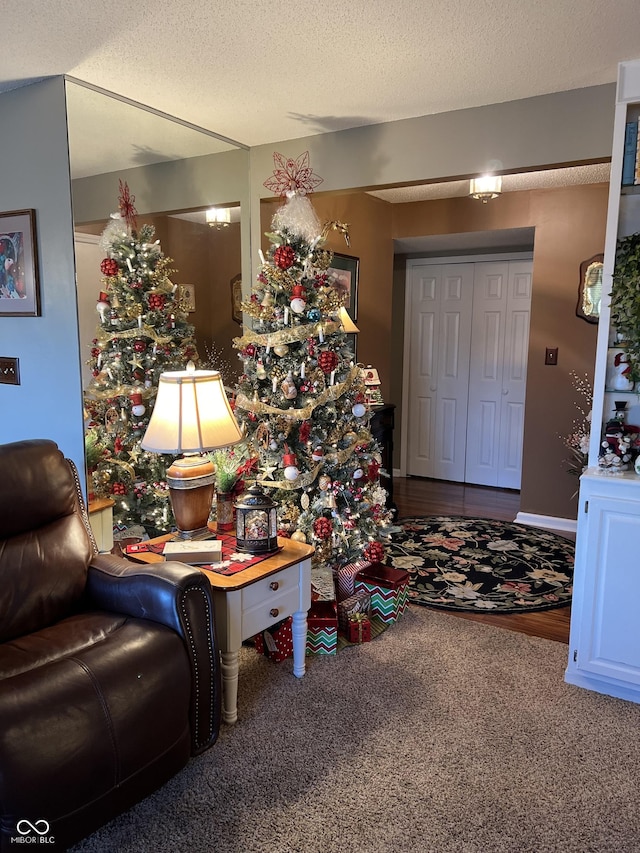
625 300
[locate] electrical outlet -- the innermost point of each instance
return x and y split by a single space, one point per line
551 355
9 371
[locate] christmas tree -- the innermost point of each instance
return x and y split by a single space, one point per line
143 331
300 398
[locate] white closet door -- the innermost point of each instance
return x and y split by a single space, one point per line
441 303
514 374
497 379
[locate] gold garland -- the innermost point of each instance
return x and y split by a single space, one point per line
332 392
295 334
145 331
128 468
339 458
121 391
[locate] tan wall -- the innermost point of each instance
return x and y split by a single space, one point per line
569 228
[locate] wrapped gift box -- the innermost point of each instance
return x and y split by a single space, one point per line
345 578
322 628
359 602
276 642
389 590
359 628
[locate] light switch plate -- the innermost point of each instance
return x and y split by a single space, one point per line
551 355
9 371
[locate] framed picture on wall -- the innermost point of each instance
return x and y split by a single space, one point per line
19 284
189 296
344 277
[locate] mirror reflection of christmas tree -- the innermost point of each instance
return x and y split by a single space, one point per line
143 331
301 397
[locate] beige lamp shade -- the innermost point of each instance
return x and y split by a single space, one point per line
191 414
347 323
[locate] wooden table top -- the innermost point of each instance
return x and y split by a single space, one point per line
290 552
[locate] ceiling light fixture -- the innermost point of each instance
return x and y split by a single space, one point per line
486 187
218 217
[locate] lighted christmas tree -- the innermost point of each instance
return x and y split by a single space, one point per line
301 397
143 331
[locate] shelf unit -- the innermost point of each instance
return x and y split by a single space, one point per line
604 643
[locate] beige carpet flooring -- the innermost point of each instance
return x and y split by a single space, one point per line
440 735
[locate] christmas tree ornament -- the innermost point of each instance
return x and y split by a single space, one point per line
267 299
137 407
359 409
109 267
298 301
261 373
324 482
298 536
284 257
102 304
358 474
288 387
374 552
281 349
327 361
314 315
139 345
317 454
322 527
290 465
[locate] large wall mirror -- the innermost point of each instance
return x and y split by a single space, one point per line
178 174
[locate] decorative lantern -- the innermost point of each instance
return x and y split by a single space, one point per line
256 522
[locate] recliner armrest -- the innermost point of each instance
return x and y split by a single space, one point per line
179 597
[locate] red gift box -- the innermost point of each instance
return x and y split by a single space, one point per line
359 628
322 628
345 577
360 602
389 590
276 642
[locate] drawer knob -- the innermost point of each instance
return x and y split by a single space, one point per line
274 612
274 585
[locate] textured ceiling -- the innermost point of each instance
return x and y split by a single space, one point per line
260 72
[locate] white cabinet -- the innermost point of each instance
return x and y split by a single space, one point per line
604 646
604 650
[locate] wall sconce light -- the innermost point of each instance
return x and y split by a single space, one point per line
191 416
218 217
486 187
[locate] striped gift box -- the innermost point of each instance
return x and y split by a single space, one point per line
345 578
322 628
389 590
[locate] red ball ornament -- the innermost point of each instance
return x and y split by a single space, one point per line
374 552
108 267
284 256
118 489
327 361
139 345
322 527
156 301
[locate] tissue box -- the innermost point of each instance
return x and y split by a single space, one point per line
389 590
194 551
276 642
322 628
345 578
359 602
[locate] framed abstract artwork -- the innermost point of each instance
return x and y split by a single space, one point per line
19 283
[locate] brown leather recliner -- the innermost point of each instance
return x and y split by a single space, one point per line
109 671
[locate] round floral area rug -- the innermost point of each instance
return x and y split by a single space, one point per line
479 564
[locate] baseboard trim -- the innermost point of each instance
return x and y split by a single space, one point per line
548 522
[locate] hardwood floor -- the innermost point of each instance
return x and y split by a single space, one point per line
421 497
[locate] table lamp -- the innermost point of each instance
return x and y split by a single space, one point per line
191 415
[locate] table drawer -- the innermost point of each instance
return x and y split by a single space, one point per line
269 611
265 589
